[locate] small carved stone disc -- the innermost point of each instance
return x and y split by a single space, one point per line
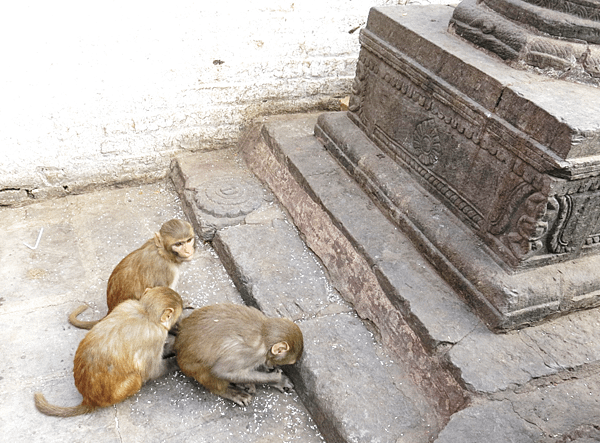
229 197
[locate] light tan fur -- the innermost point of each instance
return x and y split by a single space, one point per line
156 263
225 343
121 352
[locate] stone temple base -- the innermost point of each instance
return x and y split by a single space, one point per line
503 299
492 171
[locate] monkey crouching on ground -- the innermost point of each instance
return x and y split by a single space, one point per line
121 352
225 346
156 263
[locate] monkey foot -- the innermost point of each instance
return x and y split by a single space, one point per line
237 395
250 388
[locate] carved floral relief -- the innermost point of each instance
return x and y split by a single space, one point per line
426 142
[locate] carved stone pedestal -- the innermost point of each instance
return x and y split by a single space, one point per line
494 171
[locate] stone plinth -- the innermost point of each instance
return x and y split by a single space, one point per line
512 156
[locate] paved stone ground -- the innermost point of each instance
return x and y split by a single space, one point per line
392 354
84 237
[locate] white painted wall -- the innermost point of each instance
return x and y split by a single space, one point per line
105 92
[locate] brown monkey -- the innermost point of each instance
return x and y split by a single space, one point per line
225 343
156 263
121 352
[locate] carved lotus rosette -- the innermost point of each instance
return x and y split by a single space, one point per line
426 142
229 197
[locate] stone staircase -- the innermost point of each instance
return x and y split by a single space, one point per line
393 354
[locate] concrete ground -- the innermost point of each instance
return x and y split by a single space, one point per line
83 238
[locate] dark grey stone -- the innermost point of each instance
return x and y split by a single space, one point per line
490 363
275 272
284 163
346 386
516 377
559 38
400 267
346 381
566 408
522 184
494 422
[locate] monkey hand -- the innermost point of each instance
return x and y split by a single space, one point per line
284 384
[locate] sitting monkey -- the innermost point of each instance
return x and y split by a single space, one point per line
156 263
121 352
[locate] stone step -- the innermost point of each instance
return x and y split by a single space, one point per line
371 262
419 318
354 389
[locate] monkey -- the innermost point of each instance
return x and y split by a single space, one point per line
156 263
121 352
226 347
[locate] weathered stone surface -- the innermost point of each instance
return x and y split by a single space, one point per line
525 183
10 197
84 238
352 273
512 375
566 409
216 197
399 267
493 422
353 393
502 298
490 363
558 37
274 270
347 382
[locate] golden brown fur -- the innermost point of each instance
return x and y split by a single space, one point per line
121 352
154 264
226 343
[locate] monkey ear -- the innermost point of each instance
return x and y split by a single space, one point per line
165 318
280 348
158 240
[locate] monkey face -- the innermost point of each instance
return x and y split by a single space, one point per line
184 249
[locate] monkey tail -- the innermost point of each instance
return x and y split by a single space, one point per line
81 323
58 411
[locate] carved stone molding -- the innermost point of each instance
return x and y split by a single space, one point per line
513 157
558 37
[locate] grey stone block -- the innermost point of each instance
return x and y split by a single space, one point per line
345 381
274 271
495 422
